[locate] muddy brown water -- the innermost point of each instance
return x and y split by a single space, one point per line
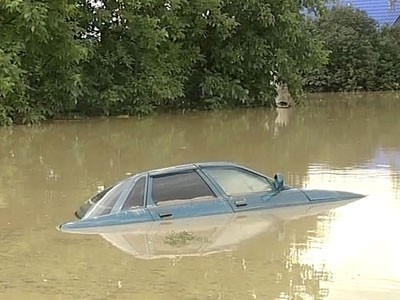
334 141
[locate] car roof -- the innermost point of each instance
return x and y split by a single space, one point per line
191 166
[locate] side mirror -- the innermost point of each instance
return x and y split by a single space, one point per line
278 181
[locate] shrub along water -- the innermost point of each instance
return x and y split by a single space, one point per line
62 57
77 57
362 55
40 59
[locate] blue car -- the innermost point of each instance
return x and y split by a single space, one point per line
189 191
207 235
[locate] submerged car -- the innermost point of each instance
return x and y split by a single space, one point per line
211 234
192 190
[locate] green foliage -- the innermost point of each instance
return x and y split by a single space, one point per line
183 238
249 44
127 57
179 239
388 71
362 55
351 37
141 56
39 71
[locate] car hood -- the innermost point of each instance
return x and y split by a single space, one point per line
328 195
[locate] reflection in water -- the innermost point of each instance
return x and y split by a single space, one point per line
386 158
339 142
215 234
282 119
3 202
205 235
357 236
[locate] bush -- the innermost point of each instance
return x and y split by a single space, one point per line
39 59
388 71
131 57
351 38
362 55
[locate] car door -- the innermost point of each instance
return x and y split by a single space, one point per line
183 194
244 189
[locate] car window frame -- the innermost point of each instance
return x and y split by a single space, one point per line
240 169
129 183
150 203
118 208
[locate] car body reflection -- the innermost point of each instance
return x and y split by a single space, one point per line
205 235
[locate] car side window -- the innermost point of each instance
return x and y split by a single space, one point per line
236 181
188 185
136 195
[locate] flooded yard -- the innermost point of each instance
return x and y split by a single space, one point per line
332 142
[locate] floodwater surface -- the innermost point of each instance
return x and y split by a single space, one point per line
341 142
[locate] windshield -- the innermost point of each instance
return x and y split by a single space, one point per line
88 204
107 202
238 182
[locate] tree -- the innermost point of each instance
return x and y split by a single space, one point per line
250 45
142 54
131 57
40 56
201 54
351 37
388 71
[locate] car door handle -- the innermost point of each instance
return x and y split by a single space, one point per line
165 215
240 203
